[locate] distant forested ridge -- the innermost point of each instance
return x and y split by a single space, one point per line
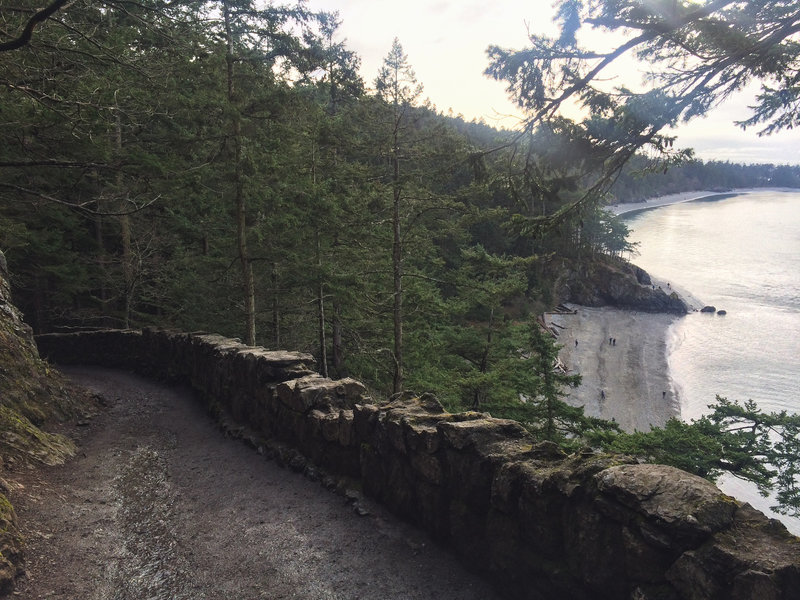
637 183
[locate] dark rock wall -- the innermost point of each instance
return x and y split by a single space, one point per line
541 524
616 283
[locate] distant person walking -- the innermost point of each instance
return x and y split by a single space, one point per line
576 343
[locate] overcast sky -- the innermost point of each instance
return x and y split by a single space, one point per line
446 42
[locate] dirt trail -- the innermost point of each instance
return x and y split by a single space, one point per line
159 504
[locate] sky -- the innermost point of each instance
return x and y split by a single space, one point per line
446 42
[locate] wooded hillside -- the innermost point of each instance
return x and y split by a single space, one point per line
214 165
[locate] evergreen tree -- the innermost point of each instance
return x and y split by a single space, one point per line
79 103
397 84
734 438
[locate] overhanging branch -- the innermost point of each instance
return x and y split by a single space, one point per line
27 33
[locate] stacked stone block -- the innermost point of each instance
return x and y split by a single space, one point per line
541 524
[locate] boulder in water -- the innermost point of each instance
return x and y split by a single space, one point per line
722 312
708 309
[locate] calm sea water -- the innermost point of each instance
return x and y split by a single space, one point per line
740 254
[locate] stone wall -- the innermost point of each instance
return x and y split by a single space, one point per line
542 525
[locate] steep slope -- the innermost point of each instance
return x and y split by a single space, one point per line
31 396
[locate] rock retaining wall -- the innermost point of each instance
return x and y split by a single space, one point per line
541 524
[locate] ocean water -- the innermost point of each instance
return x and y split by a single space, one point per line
740 254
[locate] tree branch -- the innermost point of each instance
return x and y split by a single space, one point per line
27 33
82 206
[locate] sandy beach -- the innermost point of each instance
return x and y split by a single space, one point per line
627 381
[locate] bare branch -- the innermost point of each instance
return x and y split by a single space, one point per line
81 206
27 33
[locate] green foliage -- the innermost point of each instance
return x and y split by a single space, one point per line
511 371
734 438
218 165
541 386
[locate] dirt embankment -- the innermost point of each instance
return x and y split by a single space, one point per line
159 504
31 394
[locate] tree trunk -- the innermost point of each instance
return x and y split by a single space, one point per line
484 366
102 291
248 280
397 268
338 347
323 345
125 234
276 314
127 268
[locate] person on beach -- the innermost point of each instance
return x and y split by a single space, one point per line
609 341
602 394
663 395
576 343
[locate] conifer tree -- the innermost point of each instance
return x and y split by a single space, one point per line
397 85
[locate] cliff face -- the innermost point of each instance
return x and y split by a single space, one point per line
31 394
539 523
612 282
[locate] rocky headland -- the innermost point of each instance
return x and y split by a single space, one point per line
617 283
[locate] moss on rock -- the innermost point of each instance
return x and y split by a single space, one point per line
32 395
11 546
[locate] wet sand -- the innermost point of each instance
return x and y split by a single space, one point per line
627 381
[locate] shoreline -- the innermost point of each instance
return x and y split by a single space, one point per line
707 195
629 382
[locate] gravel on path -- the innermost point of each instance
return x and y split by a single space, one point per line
159 504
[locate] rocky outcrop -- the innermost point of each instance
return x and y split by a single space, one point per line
541 524
616 283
